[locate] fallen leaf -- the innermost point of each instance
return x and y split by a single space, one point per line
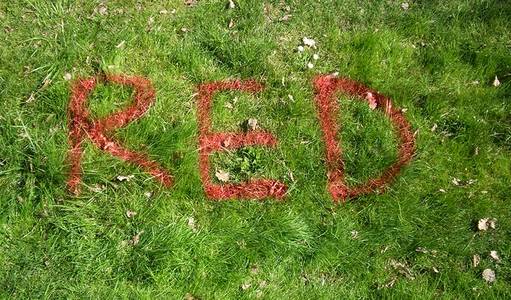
493 223
101 9
136 238
486 223
222 175
496 82
489 275
245 286
189 296
422 250
252 124
191 224
150 21
402 269
254 269
31 98
121 44
372 100
476 259
286 18
309 42
125 178
482 224
495 256
130 213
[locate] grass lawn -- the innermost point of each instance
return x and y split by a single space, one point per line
138 239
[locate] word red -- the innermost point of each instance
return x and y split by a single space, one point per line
81 127
327 107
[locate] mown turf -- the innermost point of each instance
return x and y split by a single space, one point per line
437 59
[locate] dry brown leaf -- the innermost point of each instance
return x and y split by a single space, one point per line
489 275
222 175
136 238
402 269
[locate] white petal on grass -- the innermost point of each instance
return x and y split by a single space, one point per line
405 5
495 256
130 213
300 49
489 275
315 56
191 224
309 42
310 65
496 82
121 44
136 238
476 259
252 124
231 4
486 223
125 178
222 175
68 76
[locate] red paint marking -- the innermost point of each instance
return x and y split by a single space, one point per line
81 127
327 108
219 141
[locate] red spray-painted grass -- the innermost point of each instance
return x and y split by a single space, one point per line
327 107
220 141
81 127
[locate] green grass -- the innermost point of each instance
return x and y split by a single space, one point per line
426 59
